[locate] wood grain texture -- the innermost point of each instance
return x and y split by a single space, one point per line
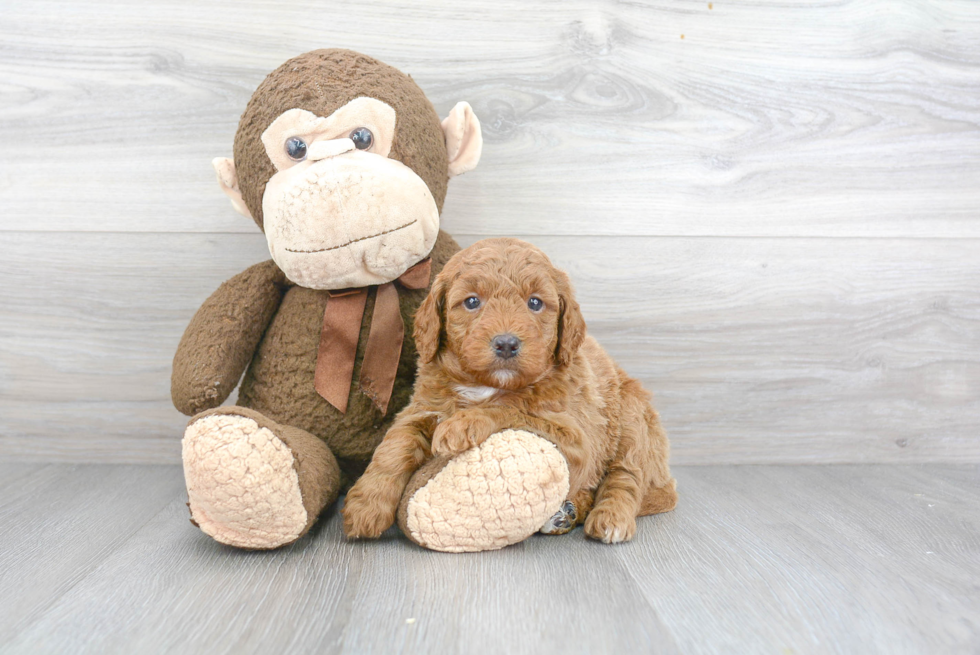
758 350
805 559
58 523
856 559
772 221
13 472
751 119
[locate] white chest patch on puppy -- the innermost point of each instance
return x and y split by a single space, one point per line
475 394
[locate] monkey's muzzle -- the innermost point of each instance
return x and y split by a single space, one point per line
348 221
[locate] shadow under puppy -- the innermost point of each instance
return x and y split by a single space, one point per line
502 345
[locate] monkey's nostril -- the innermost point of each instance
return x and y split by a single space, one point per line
505 346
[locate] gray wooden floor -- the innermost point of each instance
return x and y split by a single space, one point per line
768 559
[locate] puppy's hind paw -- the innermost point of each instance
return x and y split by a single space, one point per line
563 521
609 526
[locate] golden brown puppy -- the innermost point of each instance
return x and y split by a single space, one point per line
502 344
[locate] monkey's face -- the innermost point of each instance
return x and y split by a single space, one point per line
343 162
338 212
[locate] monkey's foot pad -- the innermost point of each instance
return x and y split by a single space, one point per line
242 484
488 497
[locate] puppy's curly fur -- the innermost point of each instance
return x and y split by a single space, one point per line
560 385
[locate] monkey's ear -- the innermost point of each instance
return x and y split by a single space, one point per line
464 139
228 181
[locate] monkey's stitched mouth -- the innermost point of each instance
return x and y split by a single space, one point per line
344 245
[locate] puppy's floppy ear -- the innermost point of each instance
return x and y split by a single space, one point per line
428 320
571 325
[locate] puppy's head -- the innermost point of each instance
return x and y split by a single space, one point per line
500 315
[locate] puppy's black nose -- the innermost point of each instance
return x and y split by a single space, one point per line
505 346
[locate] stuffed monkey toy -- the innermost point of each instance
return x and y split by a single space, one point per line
343 163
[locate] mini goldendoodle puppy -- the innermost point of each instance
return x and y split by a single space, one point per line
502 344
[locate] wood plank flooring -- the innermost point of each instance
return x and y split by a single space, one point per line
756 559
853 118
772 221
757 351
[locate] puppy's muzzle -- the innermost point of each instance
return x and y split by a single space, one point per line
505 346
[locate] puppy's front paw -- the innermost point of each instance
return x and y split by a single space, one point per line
459 433
610 524
365 518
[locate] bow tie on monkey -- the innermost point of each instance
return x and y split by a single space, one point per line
348 193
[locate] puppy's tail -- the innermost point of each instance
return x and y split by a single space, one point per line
660 499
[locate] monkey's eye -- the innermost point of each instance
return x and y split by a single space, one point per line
535 304
296 148
471 303
362 138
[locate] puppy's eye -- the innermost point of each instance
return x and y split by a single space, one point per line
296 148
535 304
471 303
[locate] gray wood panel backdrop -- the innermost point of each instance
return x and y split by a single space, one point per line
771 210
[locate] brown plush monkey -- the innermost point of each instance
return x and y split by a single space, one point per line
343 163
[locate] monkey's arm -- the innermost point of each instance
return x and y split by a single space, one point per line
222 337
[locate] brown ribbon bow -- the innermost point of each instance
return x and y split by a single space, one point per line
338 341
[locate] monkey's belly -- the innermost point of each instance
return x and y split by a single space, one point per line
279 381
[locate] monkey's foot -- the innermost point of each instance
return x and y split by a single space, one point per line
252 483
488 497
